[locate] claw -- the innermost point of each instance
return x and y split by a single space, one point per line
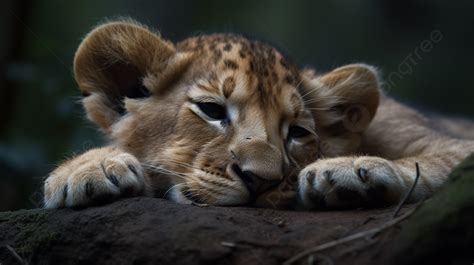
328 176
133 169
363 174
310 177
65 192
113 179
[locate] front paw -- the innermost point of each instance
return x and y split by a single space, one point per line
349 182
94 180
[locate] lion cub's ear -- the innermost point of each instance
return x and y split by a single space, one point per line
344 101
118 60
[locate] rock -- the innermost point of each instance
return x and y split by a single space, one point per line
156 231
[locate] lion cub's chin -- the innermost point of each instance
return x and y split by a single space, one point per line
175 194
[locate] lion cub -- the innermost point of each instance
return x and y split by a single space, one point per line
223 120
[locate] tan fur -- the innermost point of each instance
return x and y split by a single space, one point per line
144 93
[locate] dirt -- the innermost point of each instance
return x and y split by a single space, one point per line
156 231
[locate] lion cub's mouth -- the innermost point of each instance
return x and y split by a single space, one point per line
252 185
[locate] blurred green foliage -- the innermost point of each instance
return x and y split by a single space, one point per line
43 122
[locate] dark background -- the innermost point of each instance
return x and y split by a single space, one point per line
42 123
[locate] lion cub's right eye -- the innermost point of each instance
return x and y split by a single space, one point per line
213 110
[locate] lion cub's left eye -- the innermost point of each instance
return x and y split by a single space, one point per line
213 110
297 132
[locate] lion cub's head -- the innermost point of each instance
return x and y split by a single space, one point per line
219 119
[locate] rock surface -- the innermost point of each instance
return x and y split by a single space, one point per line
156 231
151 231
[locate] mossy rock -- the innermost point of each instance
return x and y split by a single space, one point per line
30 231
442 230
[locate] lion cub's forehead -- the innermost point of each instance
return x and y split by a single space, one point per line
245 69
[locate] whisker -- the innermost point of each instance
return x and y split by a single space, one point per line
163 170
185 176
172 187
169 160
202 194
318 99
166 171
181 163
318 108
307 93
298 85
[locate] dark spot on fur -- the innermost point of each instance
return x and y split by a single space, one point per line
230 64
228 86
284 63
212 47
274 77
271 56
85 93
289 79
261 93
212 77
228 47
217 56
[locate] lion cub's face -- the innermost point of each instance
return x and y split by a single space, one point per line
215 119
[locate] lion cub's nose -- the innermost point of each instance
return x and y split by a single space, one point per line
254 183
259 158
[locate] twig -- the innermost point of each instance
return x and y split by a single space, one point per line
343 240
246 244
408 194
16 255
356 249
228 244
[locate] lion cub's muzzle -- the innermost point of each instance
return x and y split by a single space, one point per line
259 165
254 184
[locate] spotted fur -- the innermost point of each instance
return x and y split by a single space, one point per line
287 136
